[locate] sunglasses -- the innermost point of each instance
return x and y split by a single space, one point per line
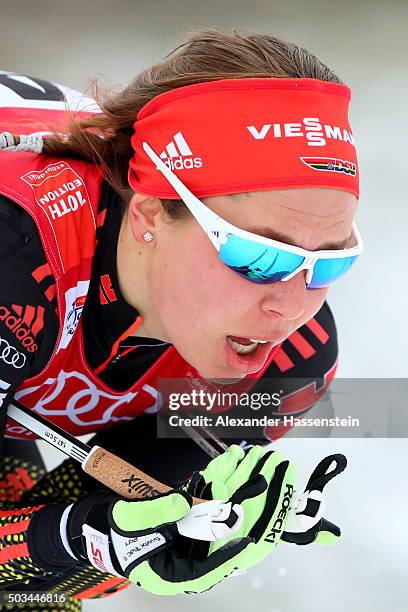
260 259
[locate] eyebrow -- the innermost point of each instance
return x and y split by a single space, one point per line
268 233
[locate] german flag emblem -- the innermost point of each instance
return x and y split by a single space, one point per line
330 164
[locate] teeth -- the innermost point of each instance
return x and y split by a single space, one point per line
260 341
242 349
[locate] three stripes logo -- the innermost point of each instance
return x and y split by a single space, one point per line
25 322
330 164
178 156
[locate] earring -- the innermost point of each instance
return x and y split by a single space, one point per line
148 236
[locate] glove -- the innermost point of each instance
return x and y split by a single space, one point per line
305 523
115 535
138 540
263 483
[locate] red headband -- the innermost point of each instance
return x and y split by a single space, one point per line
237 135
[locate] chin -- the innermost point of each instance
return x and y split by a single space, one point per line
224 376
214 368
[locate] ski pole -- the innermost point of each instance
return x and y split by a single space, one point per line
207 520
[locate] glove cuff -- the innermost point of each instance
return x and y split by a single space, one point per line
45 542
92 511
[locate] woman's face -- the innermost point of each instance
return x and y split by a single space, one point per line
199 302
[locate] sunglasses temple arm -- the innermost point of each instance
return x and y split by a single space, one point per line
359 239
204 216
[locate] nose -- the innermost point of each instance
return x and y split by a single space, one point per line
286 298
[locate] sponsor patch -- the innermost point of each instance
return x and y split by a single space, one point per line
97 548
25 322
62 196
10 355
178 156
330 164
274 534
74 303
130 549
316 133
58 189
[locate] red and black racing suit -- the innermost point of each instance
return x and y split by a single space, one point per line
32 555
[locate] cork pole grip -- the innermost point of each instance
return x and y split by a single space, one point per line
122 477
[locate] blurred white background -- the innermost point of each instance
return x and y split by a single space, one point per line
365 43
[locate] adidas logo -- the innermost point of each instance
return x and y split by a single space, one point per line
25 322
178 155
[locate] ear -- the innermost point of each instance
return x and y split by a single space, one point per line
144 215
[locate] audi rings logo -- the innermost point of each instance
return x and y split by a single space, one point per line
10 355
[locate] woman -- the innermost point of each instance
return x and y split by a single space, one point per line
243 136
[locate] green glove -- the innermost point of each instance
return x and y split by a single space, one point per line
223 479
263 483
260 480
115 535
139 540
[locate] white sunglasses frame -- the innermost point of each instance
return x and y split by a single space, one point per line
217 228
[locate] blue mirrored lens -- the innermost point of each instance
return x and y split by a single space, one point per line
326 271
257 262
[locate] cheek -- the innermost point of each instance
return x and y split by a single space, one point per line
189 287
314 301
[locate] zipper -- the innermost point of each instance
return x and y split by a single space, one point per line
129 349
115 359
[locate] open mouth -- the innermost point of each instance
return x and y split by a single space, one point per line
243 346
247 355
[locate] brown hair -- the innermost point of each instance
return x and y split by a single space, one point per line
206 55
